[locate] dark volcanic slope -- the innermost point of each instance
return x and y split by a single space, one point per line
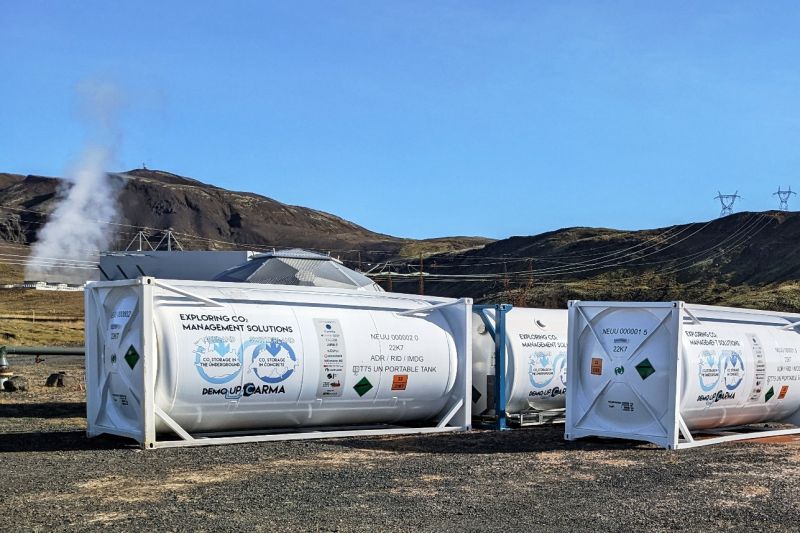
742 259
208 217
7 180
161 200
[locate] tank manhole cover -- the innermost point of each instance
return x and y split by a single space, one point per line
363 386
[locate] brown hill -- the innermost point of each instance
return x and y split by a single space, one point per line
204 216
746 259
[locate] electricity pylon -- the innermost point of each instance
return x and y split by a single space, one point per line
142 238
727 201
784 196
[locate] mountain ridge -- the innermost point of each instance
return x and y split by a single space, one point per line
745 259
206 216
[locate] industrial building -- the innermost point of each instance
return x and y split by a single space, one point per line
195 265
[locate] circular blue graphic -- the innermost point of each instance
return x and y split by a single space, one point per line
216 361
708 371
561 369
542 368
276 361
733 370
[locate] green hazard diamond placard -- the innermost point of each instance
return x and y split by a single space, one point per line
770 393
476 395
131 357
645 369
363 386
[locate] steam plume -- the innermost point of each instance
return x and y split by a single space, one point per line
75 230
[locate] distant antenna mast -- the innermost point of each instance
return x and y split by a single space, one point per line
170 239
727 201
784 196
142 238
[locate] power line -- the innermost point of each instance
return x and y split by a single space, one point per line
742 234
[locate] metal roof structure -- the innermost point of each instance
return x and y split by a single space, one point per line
298 267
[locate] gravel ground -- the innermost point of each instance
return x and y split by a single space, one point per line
529 479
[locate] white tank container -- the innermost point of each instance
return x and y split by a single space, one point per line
658 372
536 359
216 357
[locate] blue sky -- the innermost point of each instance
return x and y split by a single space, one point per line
422 118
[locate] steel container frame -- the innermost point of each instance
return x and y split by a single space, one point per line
669 428
456 416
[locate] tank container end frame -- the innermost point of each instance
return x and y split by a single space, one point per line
676 433
499 333
500 351
457 415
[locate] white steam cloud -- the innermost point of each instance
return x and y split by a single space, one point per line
68 244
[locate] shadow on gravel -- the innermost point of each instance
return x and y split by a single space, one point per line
541 439
59 441
43 410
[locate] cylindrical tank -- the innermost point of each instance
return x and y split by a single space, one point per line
658 371
738 369
536 359
265 357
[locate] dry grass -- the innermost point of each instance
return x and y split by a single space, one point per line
33 333
29 317
124 489
42 303
752 491
43 408
10 272
550 459
36 375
